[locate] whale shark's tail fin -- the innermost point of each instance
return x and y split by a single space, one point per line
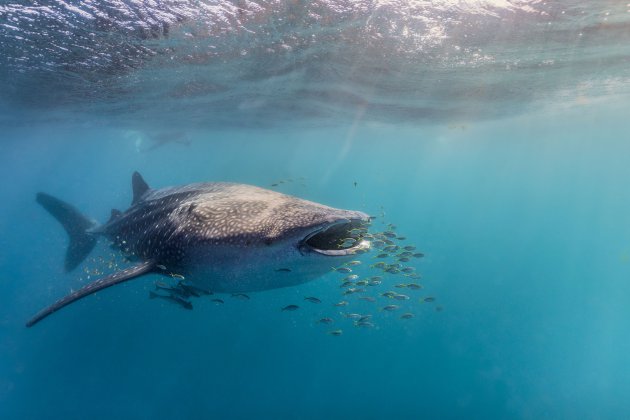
75 224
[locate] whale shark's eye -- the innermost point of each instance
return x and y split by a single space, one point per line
341 238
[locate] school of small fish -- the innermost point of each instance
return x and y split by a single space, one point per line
391 258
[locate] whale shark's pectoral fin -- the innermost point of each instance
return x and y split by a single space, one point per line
95 286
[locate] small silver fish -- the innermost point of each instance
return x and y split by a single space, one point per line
218 301
367 298
401 297
336 333
352 316
351 277
326 321
342 269
364 324
353 263
390 307
291 308
414 286
408 315
312 299
353 290
429 299
346 284
241 296
348 243
342 303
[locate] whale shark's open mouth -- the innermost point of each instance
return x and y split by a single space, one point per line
342 237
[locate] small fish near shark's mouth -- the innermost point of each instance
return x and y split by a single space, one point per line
339 238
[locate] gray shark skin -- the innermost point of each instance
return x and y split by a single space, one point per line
222 237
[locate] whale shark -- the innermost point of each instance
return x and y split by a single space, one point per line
220 236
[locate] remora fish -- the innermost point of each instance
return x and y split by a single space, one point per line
172 298
221 236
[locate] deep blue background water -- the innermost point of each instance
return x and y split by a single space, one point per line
523 221
494 134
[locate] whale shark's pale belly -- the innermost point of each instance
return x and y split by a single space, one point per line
248 270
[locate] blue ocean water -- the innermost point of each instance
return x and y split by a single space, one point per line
493 134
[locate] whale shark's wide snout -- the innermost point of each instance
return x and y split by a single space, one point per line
339 236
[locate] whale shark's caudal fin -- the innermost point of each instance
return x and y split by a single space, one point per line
75 224
118 277
139 187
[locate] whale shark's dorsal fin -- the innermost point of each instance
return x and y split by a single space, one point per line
100 284
115 215
139 187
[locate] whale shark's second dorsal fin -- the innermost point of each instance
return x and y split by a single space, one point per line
139 187
115 215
